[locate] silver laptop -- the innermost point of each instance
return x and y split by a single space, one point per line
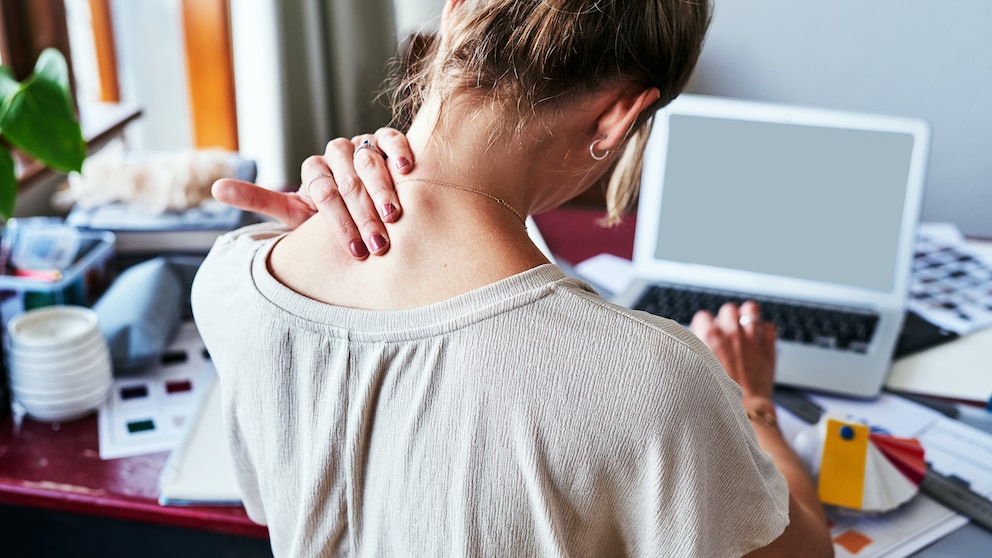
810 212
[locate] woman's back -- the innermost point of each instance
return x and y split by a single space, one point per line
501 419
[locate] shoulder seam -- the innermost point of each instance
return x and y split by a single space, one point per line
692 343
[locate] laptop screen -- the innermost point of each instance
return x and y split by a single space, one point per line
808 202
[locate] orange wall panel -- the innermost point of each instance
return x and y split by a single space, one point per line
210 73
106 54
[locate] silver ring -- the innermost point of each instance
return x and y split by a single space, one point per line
748 319
312 180
366 144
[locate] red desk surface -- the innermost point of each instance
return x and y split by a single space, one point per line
573 235
58 467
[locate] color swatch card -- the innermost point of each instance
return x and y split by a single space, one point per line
867 471
148 412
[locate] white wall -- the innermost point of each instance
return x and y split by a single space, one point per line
152 67
306 71
258 89
925 58
416 15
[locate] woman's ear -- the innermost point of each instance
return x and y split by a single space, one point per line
617 119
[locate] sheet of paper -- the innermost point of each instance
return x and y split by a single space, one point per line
148 412
952 448
952 285
610 272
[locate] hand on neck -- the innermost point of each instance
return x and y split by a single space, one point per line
450 240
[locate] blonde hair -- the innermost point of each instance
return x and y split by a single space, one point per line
530 58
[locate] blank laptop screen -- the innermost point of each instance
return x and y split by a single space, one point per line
806 202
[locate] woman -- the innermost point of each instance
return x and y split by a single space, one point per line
460 395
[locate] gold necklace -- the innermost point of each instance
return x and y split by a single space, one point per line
466 189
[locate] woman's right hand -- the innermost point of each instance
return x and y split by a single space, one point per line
744 344
350 186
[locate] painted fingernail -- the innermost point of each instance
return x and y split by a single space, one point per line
388 211
358 249
402 163
378 242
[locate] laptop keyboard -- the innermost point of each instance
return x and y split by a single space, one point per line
822 326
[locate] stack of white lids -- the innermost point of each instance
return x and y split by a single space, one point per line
58 362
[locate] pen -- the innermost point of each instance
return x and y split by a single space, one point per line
797 403
949 410
49 275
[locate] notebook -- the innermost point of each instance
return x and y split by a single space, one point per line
200 472
785 205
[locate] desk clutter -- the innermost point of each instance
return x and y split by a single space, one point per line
956 457
157 203
135 358
150 214
131 356
952 295
97 318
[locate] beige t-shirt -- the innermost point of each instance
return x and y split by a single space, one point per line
526 418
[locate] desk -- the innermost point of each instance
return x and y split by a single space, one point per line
52 473
969 540
573 236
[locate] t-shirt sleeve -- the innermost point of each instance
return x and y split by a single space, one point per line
223 282
707 488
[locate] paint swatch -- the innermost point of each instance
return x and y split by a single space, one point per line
136 426
852 541
133 392
867 471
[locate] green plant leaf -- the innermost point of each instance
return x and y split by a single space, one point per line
8 184
52 67
8 87
39 118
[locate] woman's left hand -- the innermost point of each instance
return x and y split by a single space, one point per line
743 343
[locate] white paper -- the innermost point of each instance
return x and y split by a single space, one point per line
610 272
168 395
957 370
952 285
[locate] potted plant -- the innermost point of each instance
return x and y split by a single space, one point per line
37 118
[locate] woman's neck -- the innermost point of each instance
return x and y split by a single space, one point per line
464 158
459 231
531 171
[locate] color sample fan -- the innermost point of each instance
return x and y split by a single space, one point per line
864 470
